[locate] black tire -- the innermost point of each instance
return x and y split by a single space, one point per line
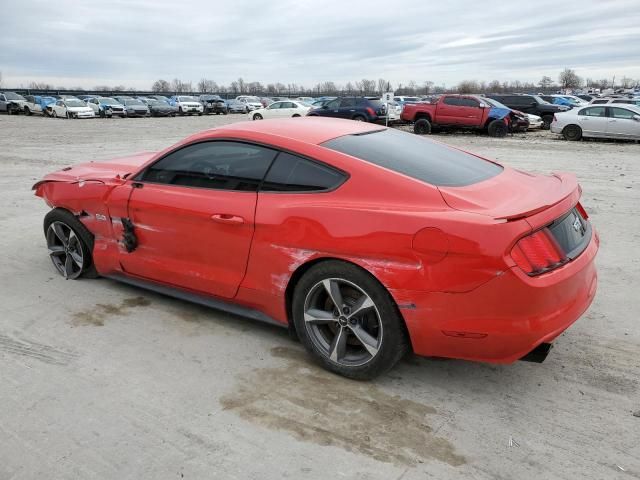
65 217
180 112
199 114
357 362
102 114
359 118
54 114
224 113
498 129
422 127
256 116
546 122
296 115
572 133
68 115
27 111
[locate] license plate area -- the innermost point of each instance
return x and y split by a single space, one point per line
572 232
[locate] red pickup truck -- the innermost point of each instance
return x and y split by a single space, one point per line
459 111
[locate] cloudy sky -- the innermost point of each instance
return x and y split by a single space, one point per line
134 42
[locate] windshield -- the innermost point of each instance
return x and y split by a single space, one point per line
13 96
187 99
539 99
75 103
108 101
134 102
416 157
493 103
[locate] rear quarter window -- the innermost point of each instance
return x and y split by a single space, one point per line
416 157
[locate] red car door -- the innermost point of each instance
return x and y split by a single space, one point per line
470 112
193 216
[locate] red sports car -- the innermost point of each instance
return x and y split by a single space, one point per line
364 240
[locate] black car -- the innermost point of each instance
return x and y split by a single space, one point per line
530 104
364 109
213 104
160 108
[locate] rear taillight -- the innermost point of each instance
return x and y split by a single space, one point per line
538 253
371 111
583 213
554 118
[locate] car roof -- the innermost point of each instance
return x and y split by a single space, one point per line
314 130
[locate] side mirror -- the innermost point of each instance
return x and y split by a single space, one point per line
636 118
483 105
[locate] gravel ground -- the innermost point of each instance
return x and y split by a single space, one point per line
101 380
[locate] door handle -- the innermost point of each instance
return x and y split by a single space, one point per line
227 218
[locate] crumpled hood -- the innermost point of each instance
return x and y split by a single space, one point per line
103 171
511 194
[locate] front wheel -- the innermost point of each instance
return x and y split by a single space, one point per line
572 133
257 116
54 114
348 321
498 129
70 244
546 122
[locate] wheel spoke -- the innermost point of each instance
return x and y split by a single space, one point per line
68 267
56 250
367 341
317 316
76 258
339 345
363 303
333 289
57 229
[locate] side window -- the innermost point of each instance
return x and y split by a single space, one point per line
334 103
347 102
621 113
288 105
275 106
451 101
593 112
60 104
469 102
291 173
217 165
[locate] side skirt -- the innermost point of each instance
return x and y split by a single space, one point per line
200 299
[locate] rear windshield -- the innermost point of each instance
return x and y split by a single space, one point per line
416 157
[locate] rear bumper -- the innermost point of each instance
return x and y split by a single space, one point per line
504 319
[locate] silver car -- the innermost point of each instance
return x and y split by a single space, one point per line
621 121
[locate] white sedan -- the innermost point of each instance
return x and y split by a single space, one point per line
72 108
604 121
290 108
534 121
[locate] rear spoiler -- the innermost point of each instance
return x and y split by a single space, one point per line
563 177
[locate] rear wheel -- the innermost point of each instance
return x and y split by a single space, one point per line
296 115
546 122
348 321
422 127
572 132
359 118
497 128
70 245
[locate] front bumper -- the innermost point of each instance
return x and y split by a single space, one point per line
504 319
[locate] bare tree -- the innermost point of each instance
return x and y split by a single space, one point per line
427 85
161 86
494 86
569 79
102 88
241 85
545 83
40 86
468 86
207 86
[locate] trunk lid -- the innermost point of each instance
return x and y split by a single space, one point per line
513 194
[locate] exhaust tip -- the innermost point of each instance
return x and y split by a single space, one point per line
538 354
